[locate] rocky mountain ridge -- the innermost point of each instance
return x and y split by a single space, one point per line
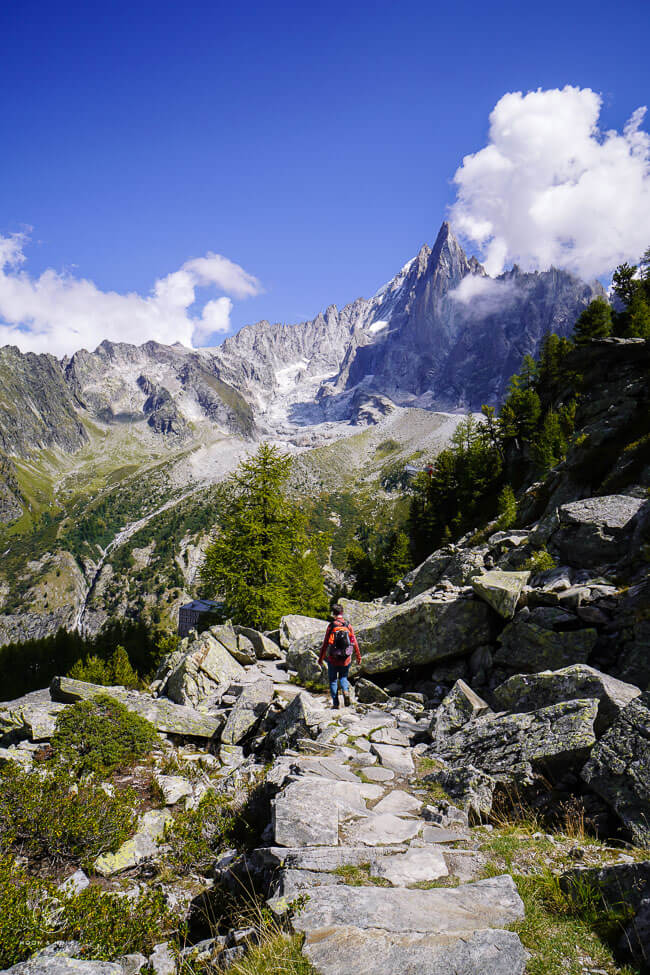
440 335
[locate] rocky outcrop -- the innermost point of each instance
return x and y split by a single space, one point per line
193 674
530 647
595 531
618 769
529 692
554 738
501 590
172 719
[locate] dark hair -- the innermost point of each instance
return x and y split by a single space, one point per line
337 610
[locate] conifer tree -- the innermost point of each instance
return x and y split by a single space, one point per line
507 507
595 322
260 562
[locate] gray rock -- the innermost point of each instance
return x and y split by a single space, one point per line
320 858
529 648
382 829
418 865
244 652
265 649
379 774
501 590
468 786
618 769
459 707
162 960
596 531
172 719
307 812
399 803
298 720
250 706
557 737
174 788
369 693
132 964
452 912
75 883
396 759
294 627
422 631
349 949
62 959
142 846
207 664
529 692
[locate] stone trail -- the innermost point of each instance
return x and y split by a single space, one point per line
377 882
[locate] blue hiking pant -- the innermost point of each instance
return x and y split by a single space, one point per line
335 674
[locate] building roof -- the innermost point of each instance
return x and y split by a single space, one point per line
201 605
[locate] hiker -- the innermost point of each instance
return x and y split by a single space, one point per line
337 649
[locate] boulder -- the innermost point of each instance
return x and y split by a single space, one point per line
369 693
142 846
357 612
383 829
265 649
459 707
472 789
551 739
501 590
303 658
596 531
171 719
422 631
298 720
528 647
618 769
294 627
207 664
247 710
63 959
174 788
32 716
530 692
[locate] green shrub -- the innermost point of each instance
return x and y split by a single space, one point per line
102 735
116 670
53 816
507 508
540 561
33 914
23 921
108 925
196 836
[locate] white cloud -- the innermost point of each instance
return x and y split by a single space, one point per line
59 313
483 296
551 188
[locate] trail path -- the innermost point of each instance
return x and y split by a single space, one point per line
388 882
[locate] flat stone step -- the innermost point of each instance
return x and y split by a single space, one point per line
440 911
333 951
382 830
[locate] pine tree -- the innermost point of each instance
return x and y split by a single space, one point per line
637 318
507 507
260 562
595 322
120 669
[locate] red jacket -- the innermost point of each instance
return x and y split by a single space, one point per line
326 641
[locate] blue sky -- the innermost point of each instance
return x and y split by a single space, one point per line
312 145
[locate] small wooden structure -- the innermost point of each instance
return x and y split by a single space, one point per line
197 615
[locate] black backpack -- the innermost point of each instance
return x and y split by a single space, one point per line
340 642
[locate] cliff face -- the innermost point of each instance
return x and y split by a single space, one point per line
37 409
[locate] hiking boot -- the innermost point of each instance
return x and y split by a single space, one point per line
335 704
346 700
